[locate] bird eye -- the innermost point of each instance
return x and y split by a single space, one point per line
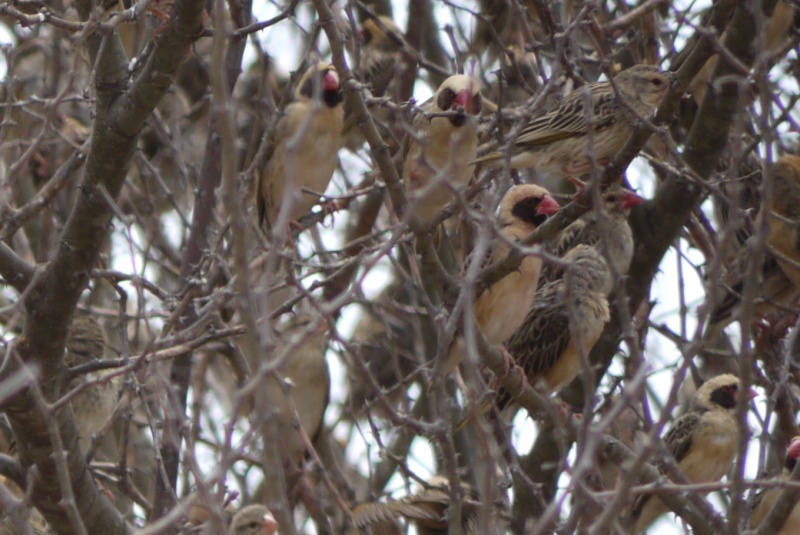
366 36
446 98
657 82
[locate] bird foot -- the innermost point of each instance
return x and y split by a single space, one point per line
580 186
509 363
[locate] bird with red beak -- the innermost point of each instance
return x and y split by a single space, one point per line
441 145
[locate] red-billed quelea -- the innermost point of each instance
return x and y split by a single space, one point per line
303 153
703 442
559 143
605 228
86 342
766 501
253 520
501 308
439 150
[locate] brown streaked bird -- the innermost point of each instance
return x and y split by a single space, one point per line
605 228
559 143
703 442
765 501
500 309
306 374
86 342
303 153
381 42
439 150
428 509
779 279
253 520
566 320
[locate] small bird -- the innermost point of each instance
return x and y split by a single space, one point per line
428 509
703 442
605 228
559 143
438 152
253 520
566 320
307 376
500 309
779 278
86 342
303 152
378 65
765 501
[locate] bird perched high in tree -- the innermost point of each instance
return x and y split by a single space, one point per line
500 308
303 151
590 125
703 442
381 43
253 520
439 150
605 228
428 509
779 277
86 342
766 501
566 320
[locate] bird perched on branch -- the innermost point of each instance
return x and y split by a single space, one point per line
440 148
765 501
381 43
566 320
703 442
500 308
428 509
304 386
303 152
779 277
253 520
605 228
86 342
590 125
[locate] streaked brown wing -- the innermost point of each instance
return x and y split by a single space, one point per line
679 438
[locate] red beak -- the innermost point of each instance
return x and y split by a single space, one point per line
794 448
331 81
547 206
631 199
270 525
463 99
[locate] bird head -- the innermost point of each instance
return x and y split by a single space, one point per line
321 81
528 203
459 93
720 391
254 520
643 84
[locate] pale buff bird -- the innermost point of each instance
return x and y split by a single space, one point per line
566 320
605 228
501 308
305 384
766 501
779 278
86 342
253 520
303 153
439 150
558 143
703 442
381 43
427 509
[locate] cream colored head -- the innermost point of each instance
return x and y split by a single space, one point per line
719 392
320 81
460 93
526 204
